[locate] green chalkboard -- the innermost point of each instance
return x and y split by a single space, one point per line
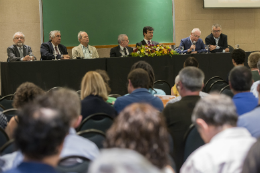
104 20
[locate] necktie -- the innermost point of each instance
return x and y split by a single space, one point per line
149 43
56 49
20 51
125 51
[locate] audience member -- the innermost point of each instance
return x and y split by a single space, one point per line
140 127
3 121
240 81
19 51
216 40
226 145
94 96
138 84
84 50
24 94
192 44
178 115
148 36
256 83
149 69
253 58
122 50
53 50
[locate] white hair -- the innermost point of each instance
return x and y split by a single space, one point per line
18 33
195 29
121 38
177 79
79 34
52 34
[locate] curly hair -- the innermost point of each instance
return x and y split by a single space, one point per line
253 59
25 93
142 128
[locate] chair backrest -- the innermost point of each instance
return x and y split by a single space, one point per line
53 89
98 121
114 95
75 164
226 90
8 147
163 85
93 135
79 92
192 141
7 101
9 113
217 86
209 82
3 137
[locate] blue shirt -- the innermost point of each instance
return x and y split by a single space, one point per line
140 95
245 102
156 91
32 167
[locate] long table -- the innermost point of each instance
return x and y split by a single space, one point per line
68 73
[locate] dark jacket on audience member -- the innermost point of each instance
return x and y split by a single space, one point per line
222 43
95 104
115 51
178 119
47 51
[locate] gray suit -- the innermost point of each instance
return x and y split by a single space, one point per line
144 43
14 54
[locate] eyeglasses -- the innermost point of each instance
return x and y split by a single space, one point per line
216 31
196 36
19 37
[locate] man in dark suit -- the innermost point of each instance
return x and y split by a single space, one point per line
53 50
216 40
148 35
19 51
122 50
178 115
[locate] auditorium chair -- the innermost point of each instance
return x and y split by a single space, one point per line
209 82
9 113
114 95
3 137
217 86
226 90
7 101
94 135
73 164
53 89
2 108
8 147
163 85
79 92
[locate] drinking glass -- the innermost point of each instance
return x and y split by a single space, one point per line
237 46
207 48
182 49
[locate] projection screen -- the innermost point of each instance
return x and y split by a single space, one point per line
231 3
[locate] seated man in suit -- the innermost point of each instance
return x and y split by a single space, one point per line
192 44
19 51
84 50
148 35
122 50
53 50
216 40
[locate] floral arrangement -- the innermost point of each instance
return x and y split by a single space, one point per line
152 50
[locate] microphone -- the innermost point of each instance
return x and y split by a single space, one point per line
193 43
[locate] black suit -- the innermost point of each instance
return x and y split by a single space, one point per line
47 51
222 43
178 120
144 43
115 51
14 54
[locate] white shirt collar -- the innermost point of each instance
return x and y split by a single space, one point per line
147 41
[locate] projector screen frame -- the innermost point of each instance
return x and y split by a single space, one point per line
229 7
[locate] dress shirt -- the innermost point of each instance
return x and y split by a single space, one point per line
254 88
123 52
244 102
54 50
3 121
86 52
32 167
225 153
147 41
216 40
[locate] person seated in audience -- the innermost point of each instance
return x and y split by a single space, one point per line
124 161
84 50
122 50
138 85
148 36
240 81
19 51
178 114
140 127
3 121
256 83
24 94
149 69
192 44
253 58
94 96
226 145
216 40
39 136
53 50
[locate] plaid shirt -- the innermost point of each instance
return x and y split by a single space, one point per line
3 121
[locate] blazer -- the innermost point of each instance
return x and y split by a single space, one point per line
78 52
14 54
47 51
222 43
115 51
186 43
144 43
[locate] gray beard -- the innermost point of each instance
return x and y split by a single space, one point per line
19 44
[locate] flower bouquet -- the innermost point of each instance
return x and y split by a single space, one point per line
152 50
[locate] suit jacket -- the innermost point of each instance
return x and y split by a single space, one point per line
186 43
14 54
47 51
178 119
144 43
222 43
78 52
115 51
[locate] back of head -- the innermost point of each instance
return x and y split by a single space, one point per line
106 79
216 110
191 61
40 131
147 28
93 84
148 68
141 127
192 78
139 78
253 59
240 78
26 93
239 56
